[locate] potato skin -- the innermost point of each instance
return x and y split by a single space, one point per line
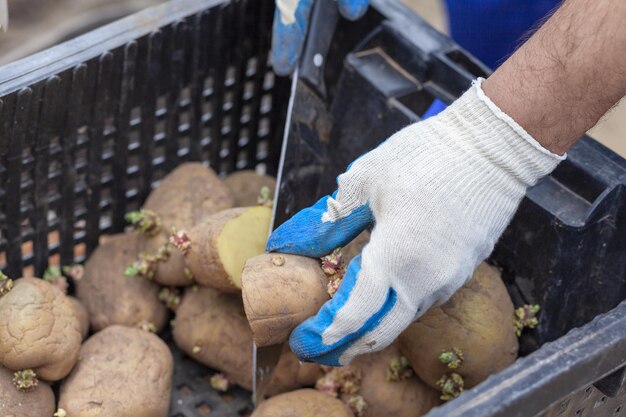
171 272
189 194
13 403
277 297
186 196
215 323
123 372
203 258
246 186
303 403
109 296
38 330
83 316
290 374
408 398
477 320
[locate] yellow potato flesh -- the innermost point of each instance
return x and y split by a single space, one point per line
242 238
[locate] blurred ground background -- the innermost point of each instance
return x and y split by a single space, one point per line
611 130
37 24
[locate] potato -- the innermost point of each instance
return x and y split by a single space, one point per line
279 292
303 403
290 374
408 397
83 316
14 403
39 329
183 199
477 320
216 249
123 372
246 186
187 195
211 328
109 296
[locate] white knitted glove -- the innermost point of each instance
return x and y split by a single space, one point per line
440 193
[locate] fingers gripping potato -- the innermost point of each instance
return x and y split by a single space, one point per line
279 292
39 329
123 372
109 296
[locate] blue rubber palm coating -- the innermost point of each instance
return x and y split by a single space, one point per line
306 234
306 340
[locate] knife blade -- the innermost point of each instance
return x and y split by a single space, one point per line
266 358
324 18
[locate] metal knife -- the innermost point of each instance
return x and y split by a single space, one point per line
307 81
266 358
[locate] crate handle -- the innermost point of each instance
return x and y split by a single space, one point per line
611 384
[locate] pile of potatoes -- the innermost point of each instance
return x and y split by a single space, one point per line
450 348
193 258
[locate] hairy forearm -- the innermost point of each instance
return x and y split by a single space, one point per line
567 75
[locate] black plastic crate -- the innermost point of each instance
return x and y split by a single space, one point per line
88 127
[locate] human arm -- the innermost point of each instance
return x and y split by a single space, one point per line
440 192
560 82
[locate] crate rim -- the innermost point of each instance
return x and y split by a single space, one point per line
590 352
50 61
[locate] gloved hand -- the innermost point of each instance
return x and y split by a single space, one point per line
439 193
291 23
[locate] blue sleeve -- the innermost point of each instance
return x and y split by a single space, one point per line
491 29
